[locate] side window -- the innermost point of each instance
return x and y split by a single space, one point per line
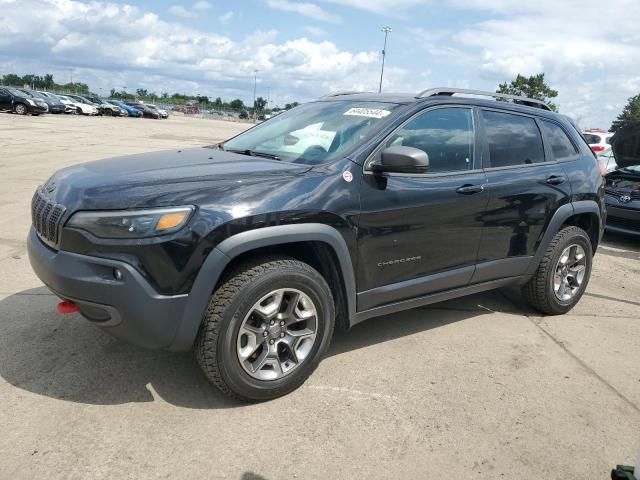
513 139
445 134
561 146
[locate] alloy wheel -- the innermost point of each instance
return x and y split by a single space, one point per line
277 334
569 273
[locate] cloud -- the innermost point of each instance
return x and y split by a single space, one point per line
202 5
109 45
226 17
317 31
310 10
180 11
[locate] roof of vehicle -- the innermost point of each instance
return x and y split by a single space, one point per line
446 95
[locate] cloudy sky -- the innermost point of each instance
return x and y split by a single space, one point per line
589 50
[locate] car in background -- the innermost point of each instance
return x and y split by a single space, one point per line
607 160
622 186
146 111
54 105
103 107
597 139
82 108
243 115
163 113
69 105
132 112
17 101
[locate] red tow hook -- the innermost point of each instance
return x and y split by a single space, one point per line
67 307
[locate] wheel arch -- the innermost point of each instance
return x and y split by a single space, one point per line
320 245
584 214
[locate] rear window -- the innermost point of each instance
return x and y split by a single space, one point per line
560 144
591 138
514 140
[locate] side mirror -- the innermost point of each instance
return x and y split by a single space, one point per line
402 160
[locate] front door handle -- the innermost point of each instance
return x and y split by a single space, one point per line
470 189
556 179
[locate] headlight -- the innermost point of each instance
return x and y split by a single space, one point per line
132 224
31 102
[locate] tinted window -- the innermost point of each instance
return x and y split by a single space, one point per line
560 144
513 139
445 134
608 140
591 138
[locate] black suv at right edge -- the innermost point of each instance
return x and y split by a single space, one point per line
351 207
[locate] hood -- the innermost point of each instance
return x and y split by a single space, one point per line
626 146
173 177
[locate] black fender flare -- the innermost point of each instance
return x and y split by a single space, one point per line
561 215
230 248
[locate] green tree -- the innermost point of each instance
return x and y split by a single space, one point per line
289 106
259 104
236 104
630 114
532 87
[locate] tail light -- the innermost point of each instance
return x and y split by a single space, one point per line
597 148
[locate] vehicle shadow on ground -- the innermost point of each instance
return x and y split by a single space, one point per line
66 358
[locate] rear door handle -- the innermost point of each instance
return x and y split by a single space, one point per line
556 179
470 189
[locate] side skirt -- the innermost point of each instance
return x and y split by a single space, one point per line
437 297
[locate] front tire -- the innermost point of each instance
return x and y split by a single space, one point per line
21 109
266 328
563 274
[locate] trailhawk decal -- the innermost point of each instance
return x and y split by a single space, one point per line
399 261
367 112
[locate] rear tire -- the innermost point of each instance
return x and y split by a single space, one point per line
563 274
255 343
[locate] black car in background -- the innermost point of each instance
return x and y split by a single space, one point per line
622 186
17 101
54 104
146 111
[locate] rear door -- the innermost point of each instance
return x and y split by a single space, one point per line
526 184
419 233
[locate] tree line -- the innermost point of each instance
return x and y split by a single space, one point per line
47 83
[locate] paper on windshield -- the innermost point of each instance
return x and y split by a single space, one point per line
367 112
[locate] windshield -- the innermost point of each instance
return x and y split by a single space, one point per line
314 133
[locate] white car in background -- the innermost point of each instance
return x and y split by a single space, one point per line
598 140
80 108
607 160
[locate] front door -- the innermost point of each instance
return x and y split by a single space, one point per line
419 233
5 99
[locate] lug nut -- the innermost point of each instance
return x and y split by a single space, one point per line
265 333
272 322
281 334
282 323
272 341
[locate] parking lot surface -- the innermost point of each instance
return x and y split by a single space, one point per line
480 387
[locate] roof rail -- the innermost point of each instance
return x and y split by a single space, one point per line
530 102
339 94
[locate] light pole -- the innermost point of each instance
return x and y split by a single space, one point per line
386 31
255 84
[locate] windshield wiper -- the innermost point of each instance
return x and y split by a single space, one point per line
255 153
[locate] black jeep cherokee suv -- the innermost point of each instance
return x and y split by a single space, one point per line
343 209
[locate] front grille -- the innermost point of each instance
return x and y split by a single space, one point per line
635 194
46 216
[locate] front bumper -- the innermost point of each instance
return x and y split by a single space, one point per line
128 308
623 219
